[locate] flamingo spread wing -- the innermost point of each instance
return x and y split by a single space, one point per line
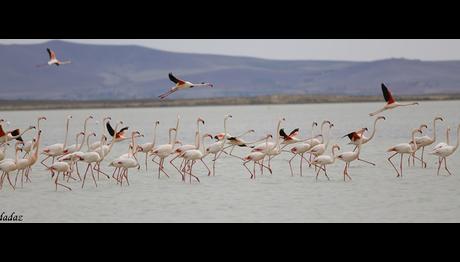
353 136
283 134
175 79
2 133
387 94
121 133
110 129
51 54
294 132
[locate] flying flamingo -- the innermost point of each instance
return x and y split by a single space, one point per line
323 160
28 145
53 60
147 147
391 102
9 165
193 155
56 149
404 148
216 147
163 151
349 157
181 84
257 157
424 141
445 151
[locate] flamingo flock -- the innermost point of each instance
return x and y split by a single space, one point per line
62 159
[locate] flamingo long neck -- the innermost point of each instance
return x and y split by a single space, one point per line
82 142
328 138
84 128
37 143
458 138
225 132
434 130
407 104
154 134
266 144
87 144
333 154
197 140
374 130
312 130
277 142
66 132
17 155
448 136
131 149
413 141
175 133
322 132
23 132
245 133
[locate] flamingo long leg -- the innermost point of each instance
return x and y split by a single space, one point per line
389 159
445 166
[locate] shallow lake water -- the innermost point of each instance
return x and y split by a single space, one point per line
374 194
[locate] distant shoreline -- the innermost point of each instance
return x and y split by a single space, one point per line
7 105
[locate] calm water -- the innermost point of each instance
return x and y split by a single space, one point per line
375 194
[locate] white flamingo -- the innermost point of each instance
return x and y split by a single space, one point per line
181 149
216 147
321 148
57 149
445 151
257 157
97 144
147 147
181 84
28 144
423 141
193 155
323 160
402 149
163 151
391 102
9 165
271 149
349 157
128 162
60 167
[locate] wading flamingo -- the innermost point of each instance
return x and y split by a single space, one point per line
403 148
257 157
28 145
57 149
128 162
423 141
60 167
391 102
181 84
163 151
349 157
271 149
193 155
97 144
445 151
321 148
216 147
9 165
323 160
147 147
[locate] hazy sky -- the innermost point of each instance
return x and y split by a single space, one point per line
319 49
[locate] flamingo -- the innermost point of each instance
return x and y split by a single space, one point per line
15 134
302 148
77 146
391 102
28 145
193 155
118 136
91 158
323 160
321 148
117 163
147 147
33 158
60 167
128 162
257 157
56 149
163 151
349 157
218 146
404 148
180 150
439 145
271 148
445 151
53 60
97 144
235 141
424 141
181 84
2 152
9 165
